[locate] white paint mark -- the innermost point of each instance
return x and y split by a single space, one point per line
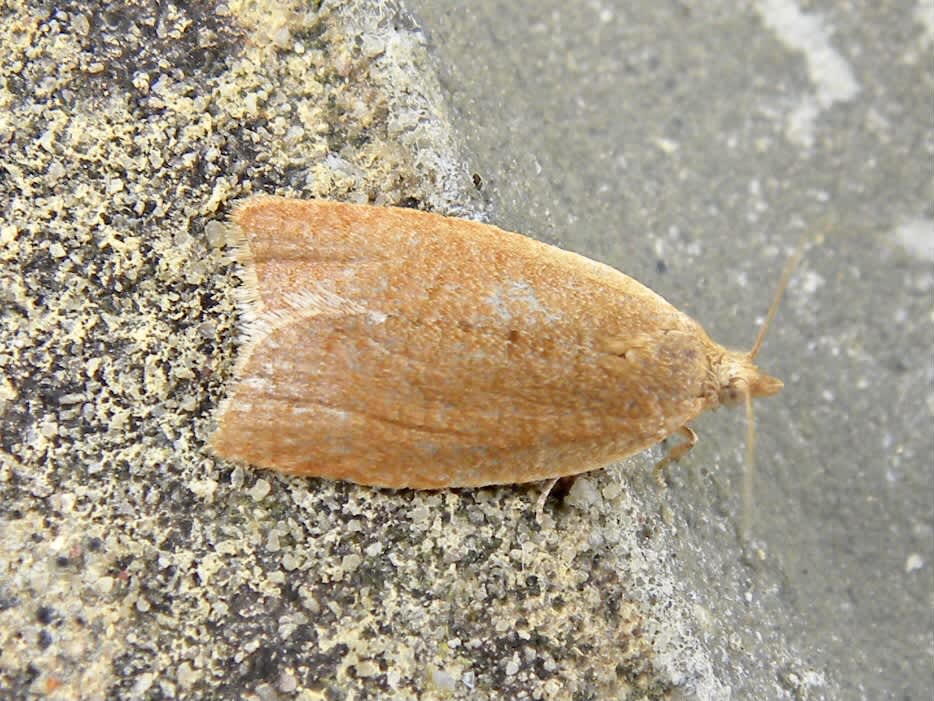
828 70
810 283
666 146
799 127
917 237
924 15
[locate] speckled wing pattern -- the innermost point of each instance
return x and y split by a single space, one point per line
398 348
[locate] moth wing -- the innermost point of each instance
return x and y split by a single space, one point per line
403 349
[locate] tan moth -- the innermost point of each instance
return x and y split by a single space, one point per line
398 348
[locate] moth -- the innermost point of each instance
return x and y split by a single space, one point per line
398 348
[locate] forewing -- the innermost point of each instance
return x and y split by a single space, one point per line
402 349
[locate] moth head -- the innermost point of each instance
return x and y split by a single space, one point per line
739 377
762 385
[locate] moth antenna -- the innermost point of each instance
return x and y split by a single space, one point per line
825 226
782 284
749 474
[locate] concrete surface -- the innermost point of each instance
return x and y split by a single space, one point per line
688 145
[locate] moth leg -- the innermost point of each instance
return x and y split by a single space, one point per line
542 498
676 453
557 487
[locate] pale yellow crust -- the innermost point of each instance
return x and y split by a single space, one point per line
398 348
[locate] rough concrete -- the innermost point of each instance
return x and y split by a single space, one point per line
689 148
